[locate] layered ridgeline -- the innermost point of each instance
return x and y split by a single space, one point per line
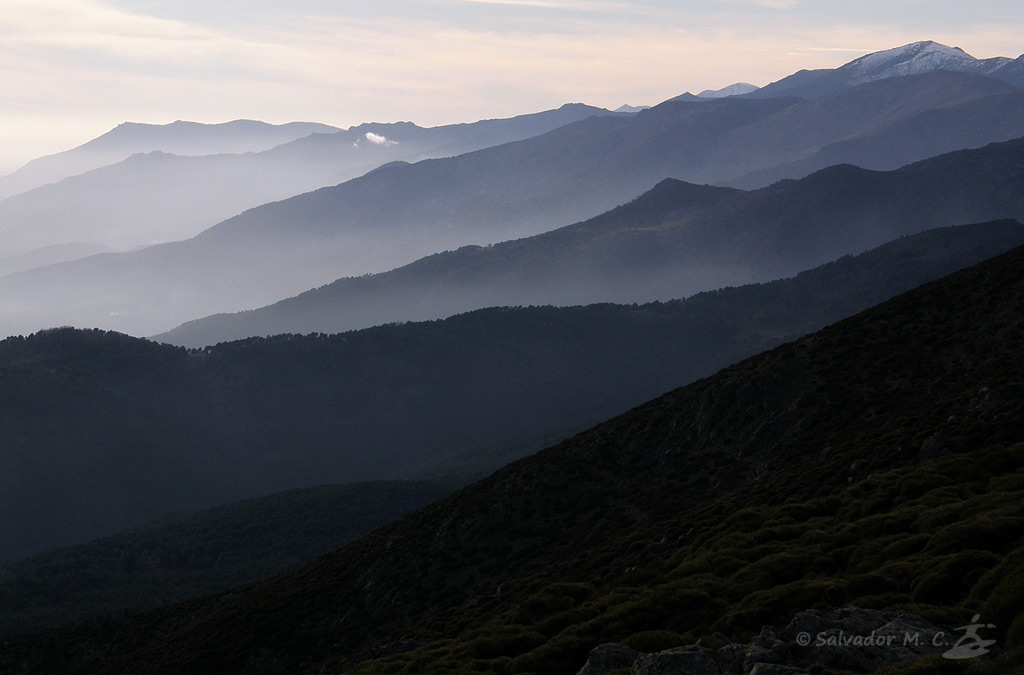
878 463
101 430
673 241
163 193
399 213
195 175
182 556
178 138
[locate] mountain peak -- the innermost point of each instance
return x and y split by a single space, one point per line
917 57
732 90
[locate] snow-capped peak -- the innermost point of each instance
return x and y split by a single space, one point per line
918 57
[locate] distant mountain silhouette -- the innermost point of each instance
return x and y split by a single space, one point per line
179 138
675 240
1012 72
161 195
399 213
731 90
943 129
48 255
102 430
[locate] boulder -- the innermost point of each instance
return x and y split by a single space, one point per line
716 641
680 661
731 657
863 640
776 669
605 658
765 648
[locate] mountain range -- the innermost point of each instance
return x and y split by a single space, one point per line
133 428
872 467
159 194
674 241
399 213
919 57
179 138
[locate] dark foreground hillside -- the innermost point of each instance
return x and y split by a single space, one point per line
101 430
878 463
182 556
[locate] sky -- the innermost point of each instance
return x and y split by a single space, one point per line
71 70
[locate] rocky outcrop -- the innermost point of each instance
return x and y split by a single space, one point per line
851 640
607 658
863 640
688 660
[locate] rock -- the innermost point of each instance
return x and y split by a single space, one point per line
997 397
730 658
862 640
682 661
852 619
935 445
776 669
608 657
765 648
716 641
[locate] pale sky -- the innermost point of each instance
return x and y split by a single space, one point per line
71 70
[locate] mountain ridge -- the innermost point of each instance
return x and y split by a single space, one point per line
132 427
914 58
675 240
180 137
156 195
397 215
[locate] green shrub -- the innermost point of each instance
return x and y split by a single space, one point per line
653 640
571 617
1004 604
562 655
904 546
505 643
988 532
952 577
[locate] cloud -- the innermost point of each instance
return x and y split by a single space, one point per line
377 139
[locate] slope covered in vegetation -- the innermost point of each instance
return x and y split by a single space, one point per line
878 462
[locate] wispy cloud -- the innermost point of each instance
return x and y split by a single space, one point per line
377 139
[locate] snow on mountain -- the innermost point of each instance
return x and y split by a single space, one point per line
916 58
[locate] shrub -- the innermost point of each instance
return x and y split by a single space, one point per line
653 640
